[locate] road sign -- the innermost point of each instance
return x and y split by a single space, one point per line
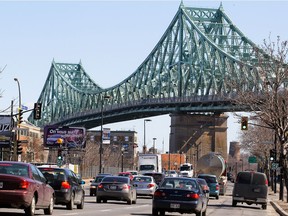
274 166
252 159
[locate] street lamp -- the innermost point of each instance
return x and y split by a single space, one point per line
154 139
101 136
122 159
19 108
144 147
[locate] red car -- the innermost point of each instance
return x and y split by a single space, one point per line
127 174
23 186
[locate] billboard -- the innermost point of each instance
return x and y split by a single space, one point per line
68 137
6 133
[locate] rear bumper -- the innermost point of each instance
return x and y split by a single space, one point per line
15 199
62 197
185 207
249 200
113 195
145 192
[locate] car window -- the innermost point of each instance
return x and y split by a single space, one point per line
115 179
209 179
14 169
258 179
244 178
35 173
142 179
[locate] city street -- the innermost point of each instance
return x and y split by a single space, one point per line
220 207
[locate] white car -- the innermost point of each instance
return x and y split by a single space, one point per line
172 173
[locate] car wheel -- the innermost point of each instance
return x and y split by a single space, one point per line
70 205
198 213
162 213
204 213
217 197
91 194
98 200
134 201
50 208
154 211
81 205
264 206
104 200
30 211
234 203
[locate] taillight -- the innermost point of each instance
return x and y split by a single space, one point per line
192 196
125 186
65 185
217 187
150 185
24 184
266 182
158 194
100 186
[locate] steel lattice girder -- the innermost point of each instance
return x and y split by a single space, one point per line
199 53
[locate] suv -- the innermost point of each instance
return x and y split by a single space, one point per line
67 186
212 184
251 188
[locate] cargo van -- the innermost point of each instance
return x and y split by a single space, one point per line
250 188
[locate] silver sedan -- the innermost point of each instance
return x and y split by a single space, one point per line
145 185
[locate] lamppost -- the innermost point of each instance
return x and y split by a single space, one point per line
101 135
154 139
122 159
18 125
144 147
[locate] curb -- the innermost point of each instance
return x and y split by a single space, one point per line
278 209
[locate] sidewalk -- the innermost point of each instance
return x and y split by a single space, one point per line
281 207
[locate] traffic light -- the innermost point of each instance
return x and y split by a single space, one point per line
244 123
272 155
20 116
37 111
19 147
59 157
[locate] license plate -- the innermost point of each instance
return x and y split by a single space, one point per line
113 187
257 190
1 184
174 205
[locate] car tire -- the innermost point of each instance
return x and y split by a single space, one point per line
264 206
49 210
104 200
30 210
162 213
129 202
204 213
234 203
154 211
217 197
70 205
81 205
91 194
98 200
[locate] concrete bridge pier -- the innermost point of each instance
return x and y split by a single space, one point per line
198 134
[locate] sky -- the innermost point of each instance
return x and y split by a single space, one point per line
111 39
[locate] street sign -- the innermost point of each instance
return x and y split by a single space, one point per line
274 166
252 159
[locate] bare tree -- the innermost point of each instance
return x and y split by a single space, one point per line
267 100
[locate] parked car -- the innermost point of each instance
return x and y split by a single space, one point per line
116 188
68 187
179 194
23 186
158 177
213 184
94 183
250 188
145 185
204 186
127 174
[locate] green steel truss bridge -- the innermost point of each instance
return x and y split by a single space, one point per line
189 70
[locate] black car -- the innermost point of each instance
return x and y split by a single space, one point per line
95 182
67 186
179 194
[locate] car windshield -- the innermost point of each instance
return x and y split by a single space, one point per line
179 183
98 179
185 168
115 180
147 167
142 179
14 169
209 179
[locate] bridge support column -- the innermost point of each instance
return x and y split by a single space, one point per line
196 135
